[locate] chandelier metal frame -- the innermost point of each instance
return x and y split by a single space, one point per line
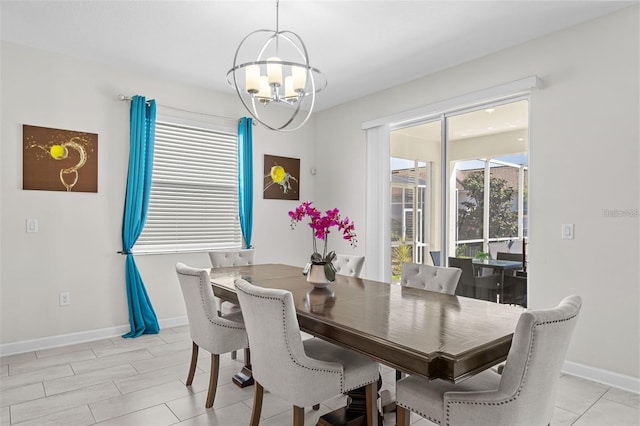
314 80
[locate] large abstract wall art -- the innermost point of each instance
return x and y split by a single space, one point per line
59 160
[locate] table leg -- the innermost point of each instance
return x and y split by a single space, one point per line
244 378
355 414
501 286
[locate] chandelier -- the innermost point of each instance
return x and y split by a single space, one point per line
271 69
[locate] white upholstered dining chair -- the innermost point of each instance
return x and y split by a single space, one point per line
348 265
230 257
523 395
433 278
303 373
208 330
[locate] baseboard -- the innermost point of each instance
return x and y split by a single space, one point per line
79 337
606 377
173 322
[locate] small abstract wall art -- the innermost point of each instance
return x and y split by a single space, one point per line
59 160
281 178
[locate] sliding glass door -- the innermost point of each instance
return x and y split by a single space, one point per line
477 202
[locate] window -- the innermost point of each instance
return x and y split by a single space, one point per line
194 191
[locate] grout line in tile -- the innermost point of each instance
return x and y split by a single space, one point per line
172 412
92 414
588 408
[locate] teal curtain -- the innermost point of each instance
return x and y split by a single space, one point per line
245 178
142 317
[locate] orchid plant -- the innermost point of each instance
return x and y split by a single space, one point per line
321 228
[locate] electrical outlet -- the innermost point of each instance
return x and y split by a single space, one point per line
65 298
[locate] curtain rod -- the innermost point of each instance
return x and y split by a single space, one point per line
128 99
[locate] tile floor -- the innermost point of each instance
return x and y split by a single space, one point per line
119 382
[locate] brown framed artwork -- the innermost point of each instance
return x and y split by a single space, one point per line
281 178
59 160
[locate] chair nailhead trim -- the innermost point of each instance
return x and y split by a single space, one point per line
421 414
524 377
359 386
212 320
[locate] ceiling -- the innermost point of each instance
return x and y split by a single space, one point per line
361 46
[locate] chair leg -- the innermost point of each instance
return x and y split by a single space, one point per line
247 357
402 416
399 375
213 380
298 416
371 393
257 404
194 361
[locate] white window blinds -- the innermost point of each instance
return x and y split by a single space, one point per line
194 196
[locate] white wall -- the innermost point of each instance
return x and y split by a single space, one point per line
79 236
584 156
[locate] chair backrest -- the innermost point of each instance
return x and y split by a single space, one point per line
209 331
497 246
278 359
348 265
529 380
466 266
427 277
235 257
467 283
435 256
516 257
515 246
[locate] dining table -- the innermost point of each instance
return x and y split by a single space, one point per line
430 334
500 266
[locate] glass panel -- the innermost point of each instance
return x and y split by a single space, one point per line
415 195
488 154
503 205
470 200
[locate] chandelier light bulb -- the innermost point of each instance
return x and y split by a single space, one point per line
274 71
299 78
289 92
265 89
252 79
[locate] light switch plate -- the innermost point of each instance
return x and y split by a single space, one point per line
567 231
32 225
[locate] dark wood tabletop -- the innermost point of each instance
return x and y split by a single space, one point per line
416 331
